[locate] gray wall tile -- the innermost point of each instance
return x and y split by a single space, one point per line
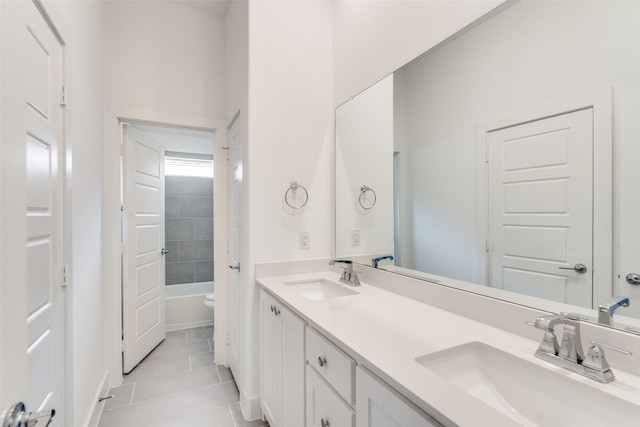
172 206
203 229
178 186
173 248
196 207
178 229
204 271
196 250
203 187
179 272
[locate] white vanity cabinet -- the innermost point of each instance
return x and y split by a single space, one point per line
380 405
282 364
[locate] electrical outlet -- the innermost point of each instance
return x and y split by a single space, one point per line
305 239
355 237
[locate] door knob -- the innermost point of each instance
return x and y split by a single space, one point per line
633 278
164 251
578 268
16 416
235 267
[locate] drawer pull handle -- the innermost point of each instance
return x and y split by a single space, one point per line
273 308
277 311
322 361
324 423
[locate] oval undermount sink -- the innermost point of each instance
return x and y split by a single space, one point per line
320 289
529 394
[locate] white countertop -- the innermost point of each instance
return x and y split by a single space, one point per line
385 332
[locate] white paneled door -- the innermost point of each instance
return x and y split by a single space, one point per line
143 247
540 183
32 270
234 233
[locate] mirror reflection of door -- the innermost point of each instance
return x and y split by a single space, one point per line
540 186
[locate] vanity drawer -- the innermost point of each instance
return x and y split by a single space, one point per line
332 364
324 407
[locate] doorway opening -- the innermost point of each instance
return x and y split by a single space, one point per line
167 234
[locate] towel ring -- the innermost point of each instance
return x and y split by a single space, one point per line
292 188
363 191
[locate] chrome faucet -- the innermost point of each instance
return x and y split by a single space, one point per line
606 309
569 354
348 276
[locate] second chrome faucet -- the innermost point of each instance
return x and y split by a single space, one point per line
569 353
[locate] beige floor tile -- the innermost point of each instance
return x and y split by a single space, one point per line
201 360
171 351
218 417
214 396
201 334
148 370
176 337
225 373
150 412
238 418
150 389
121 396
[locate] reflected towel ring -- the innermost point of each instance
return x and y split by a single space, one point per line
363 191
292 188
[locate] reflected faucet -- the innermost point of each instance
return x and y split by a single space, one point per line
348 276
606 309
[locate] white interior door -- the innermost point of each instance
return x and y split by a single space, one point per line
234 233
541 208
32 285
143 260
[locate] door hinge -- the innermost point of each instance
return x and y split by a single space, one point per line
63 95
122 345
227 338
64 275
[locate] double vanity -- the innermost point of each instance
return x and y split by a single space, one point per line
334 354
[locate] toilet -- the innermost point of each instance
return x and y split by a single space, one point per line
209 300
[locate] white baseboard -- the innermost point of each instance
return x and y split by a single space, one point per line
250 407
93 418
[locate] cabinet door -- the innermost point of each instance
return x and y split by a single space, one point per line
324 407
271 359
381 406
293 364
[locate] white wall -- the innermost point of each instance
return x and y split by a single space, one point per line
163 63
484 75
364 156
84 23
371 39
290 139
165 56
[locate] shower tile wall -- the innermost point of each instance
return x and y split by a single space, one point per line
188 229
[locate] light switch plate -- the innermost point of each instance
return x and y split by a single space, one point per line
355 237
305 239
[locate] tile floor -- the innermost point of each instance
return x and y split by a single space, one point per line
176 385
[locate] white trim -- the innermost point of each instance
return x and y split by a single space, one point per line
601 100
111 274
93 417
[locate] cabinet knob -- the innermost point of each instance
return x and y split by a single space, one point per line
273 308
276 311
322 361
324 423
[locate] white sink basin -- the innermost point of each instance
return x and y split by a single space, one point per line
319 289
525 392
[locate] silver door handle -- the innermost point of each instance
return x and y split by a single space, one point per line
16 416
164 251
235 267
578 268
633 278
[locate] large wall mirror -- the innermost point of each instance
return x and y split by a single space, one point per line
507 157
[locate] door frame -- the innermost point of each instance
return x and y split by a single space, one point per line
112 268
601 101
